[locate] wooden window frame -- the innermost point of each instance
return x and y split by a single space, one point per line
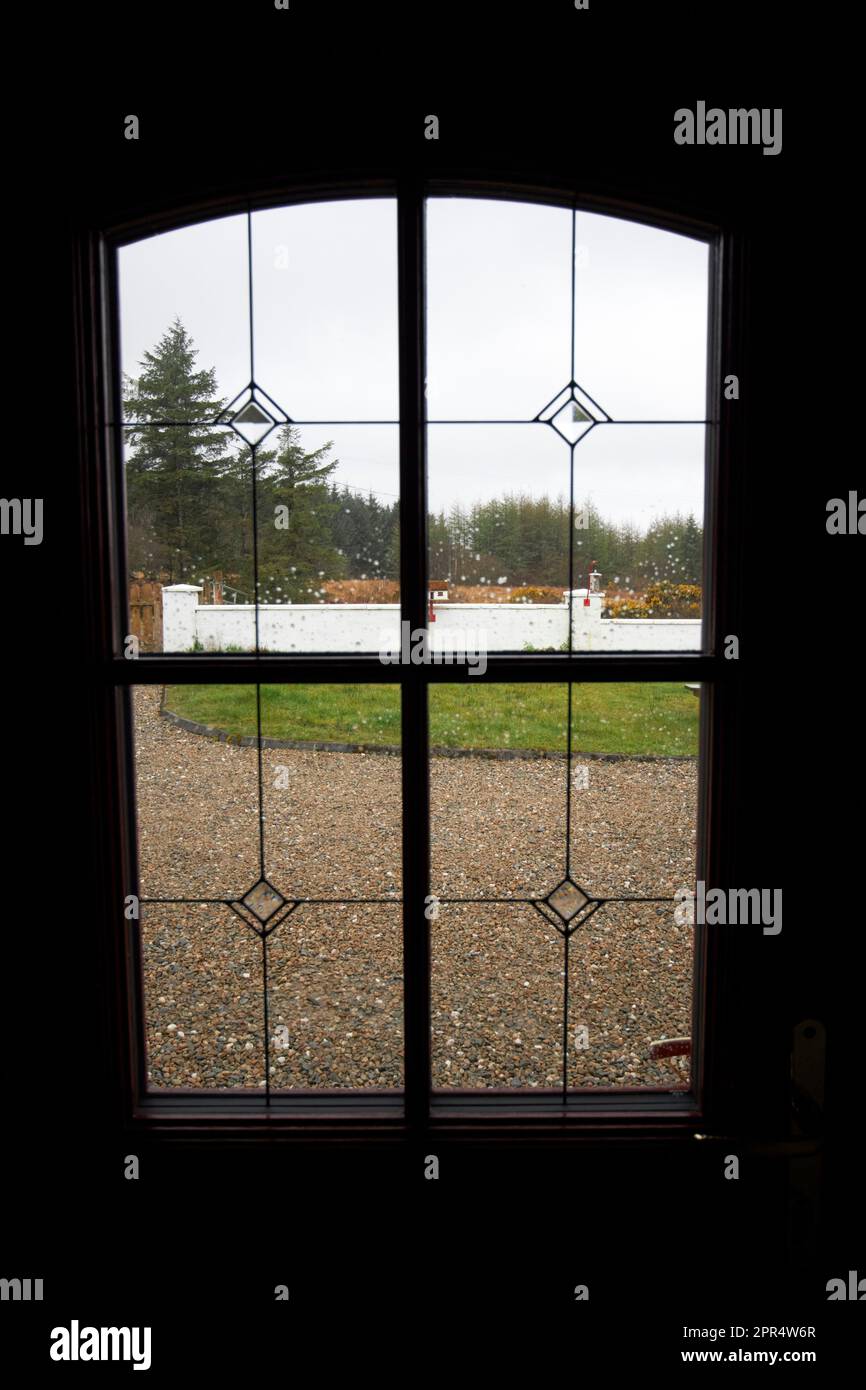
718 1069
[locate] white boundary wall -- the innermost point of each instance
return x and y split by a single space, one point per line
374 627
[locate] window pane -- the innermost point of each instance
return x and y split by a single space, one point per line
535 853
641 305
639 499
184 319
196 796
325 301
634 793
629 986
498 308
324 560
526 513
335 988
333 809
498 528
189 533
203 1000
497 823
273 873
496 998
329 543
499 536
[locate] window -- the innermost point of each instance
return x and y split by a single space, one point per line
377 890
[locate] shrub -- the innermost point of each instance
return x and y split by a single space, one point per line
479 593
361 591
563 647
663 599
530 593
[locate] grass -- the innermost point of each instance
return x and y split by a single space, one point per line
648 718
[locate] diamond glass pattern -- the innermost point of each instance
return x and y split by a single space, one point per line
252 419
252 423
572 413
571 422
263 900
567 900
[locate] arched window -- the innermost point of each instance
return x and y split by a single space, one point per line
409 587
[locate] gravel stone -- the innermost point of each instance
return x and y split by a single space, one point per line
335 969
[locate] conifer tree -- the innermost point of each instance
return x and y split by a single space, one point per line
171 471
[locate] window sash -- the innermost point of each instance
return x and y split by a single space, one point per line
99 404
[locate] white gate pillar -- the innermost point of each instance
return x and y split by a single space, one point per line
179 602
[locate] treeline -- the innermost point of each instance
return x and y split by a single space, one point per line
190 510
520 540
523 540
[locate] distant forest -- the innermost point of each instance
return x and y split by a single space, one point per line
190 510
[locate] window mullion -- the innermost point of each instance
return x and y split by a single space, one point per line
413 609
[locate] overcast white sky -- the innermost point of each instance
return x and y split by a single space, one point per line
499 331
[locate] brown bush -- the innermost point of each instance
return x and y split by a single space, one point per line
530 593
388 591
479 593
361 591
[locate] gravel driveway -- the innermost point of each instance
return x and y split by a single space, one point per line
332 828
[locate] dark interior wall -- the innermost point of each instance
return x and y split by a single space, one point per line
648 1222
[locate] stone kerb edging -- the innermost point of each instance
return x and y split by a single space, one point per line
394 749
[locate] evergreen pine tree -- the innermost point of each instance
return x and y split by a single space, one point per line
172 499
296 513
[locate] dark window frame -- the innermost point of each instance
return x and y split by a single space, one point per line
712 1099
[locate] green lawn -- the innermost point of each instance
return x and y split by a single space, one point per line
611 718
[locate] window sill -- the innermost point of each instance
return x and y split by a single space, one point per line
381 1115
